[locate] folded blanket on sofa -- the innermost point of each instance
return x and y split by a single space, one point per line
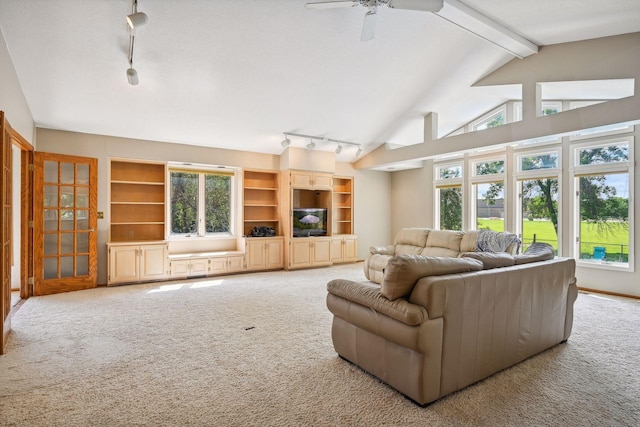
493 241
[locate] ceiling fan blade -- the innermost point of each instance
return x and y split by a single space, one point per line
421 5
331 4
369 26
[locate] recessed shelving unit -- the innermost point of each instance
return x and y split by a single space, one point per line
137 193
342 206
261 203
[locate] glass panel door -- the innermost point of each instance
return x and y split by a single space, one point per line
64 222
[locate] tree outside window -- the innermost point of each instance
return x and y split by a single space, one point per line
200 203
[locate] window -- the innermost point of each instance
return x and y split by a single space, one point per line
201 202
603 186
495 118
488 193
599 131
538 177
489 203
448 179
450 207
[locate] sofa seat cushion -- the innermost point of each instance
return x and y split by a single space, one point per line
490 259
368 295
535 253
402 272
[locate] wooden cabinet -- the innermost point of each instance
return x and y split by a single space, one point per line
136 197
188 267
227 264
137 263
342 206
264 253
311 180
261 205
344 248
309 252
182 266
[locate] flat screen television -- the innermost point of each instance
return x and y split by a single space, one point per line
308 222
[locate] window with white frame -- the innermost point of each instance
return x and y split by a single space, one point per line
603 183
488 196
538 210
202 202
613 129
448 184
494 118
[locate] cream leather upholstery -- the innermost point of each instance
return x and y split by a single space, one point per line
455 329
423 241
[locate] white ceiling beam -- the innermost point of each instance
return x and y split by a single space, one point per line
487 29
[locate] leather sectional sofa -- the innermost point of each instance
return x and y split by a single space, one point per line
435 325
439 243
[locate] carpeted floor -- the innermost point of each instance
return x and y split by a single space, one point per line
255 350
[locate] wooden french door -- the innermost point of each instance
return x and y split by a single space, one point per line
6 248
65 219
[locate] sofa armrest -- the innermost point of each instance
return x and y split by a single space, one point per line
368 295
383 250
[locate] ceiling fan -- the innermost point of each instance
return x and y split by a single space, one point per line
369 26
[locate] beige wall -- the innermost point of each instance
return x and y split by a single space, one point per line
371 220
12 100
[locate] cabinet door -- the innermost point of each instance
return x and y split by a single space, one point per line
337 245
300 253
123 264
235 263
322 182
218 265
199 267
153 262
255 254
275 254
322 252
301 180
350 248
180 268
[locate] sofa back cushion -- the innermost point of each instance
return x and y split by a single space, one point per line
404 271
411 241
443 243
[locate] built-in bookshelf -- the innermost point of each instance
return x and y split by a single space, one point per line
261 201
137 201
342 206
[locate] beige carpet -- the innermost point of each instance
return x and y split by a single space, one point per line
255 350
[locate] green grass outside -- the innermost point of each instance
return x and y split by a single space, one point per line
614 238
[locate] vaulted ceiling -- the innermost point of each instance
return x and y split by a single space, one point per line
236 74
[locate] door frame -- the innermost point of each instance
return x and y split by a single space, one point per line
10 138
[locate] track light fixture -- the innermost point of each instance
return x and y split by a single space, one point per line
132 76
135 19
324 140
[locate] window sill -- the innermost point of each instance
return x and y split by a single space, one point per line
604 265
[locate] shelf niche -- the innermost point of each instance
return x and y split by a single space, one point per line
261 205
137 201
